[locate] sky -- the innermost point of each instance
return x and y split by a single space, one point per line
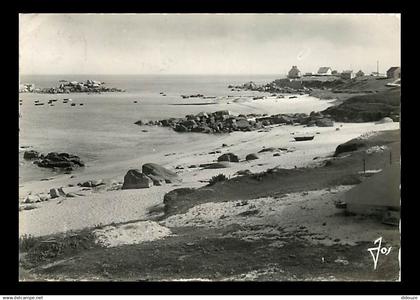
206 43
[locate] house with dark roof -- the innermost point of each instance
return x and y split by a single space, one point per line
360 73
294 73
394 72
324 71
348 74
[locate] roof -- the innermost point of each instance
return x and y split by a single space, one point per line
347 71
392 69
324 69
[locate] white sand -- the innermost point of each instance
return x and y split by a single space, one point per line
60 215
132 233
123 206
303 213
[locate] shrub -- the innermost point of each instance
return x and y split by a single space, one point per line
26 242
217 178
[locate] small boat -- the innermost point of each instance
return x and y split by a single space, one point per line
81 104
303 138
73 104
39 104
291 97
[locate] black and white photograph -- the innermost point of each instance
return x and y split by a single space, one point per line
174 147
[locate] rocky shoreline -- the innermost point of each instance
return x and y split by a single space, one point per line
224 122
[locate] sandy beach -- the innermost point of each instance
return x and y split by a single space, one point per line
102 206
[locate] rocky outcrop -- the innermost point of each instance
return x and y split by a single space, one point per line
91 183
215 165
349 146
30 154
224 122
324 122
251 156
65 87
134 179
158 172
55 193
64 161
230 157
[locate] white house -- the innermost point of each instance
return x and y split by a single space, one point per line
348 74
324 71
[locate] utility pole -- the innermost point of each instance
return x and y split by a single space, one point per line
377 67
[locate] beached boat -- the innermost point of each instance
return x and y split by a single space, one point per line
303 138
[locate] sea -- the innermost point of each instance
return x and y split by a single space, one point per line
103 129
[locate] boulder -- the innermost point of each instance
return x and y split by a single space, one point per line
44 197
324 122
282 119
385 120
134 179
180 128
158 181
228 157
31 154
221 113
216 165
243 124
92 183
59 160
160 172
349 146
54 193
251 156
268 149
32 199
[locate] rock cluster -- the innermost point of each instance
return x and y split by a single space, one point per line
224 122
151 174
89 86
63 161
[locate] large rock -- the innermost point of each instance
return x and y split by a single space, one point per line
92 183
216 165
222 113
157 180
228 157
180 128
349 146
32 199
243 124
30 154
59 160
385 120
251 156
54 193
160 172
134 179
324 122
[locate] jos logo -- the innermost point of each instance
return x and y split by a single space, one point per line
379 250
